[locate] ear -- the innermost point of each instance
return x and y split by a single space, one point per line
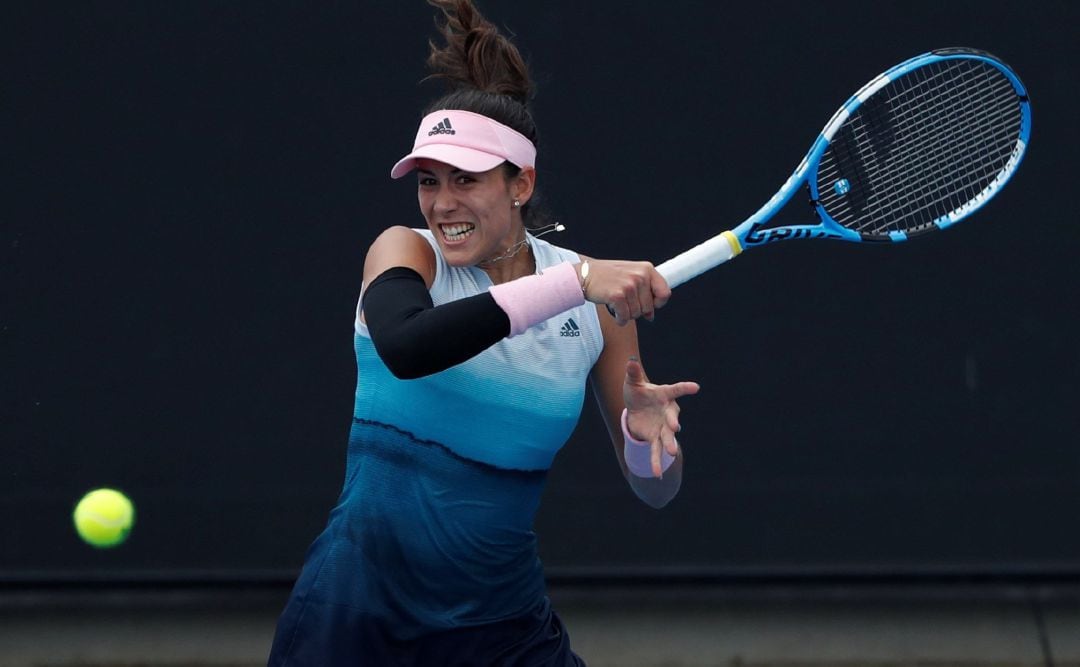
522 185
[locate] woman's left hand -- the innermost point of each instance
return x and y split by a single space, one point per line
652 413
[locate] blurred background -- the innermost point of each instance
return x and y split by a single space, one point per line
883 463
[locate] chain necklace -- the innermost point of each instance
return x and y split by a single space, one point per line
516 248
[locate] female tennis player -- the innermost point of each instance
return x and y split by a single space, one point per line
474 343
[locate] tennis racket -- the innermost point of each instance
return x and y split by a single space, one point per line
919 148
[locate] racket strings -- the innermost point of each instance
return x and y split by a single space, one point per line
965 161
922 143
874 114
922 146
960 154
919 149
961 189
858 134
928 172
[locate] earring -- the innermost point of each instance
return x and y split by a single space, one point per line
516 203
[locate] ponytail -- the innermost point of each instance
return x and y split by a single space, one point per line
476 55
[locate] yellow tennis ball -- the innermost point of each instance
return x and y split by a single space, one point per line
103 518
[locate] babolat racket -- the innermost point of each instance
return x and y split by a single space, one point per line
919 148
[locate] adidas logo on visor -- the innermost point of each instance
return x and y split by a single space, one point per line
443 127
570 328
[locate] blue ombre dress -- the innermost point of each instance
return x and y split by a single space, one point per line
429 557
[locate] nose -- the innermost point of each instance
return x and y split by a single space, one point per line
445 201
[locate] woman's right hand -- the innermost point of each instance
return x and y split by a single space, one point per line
629 289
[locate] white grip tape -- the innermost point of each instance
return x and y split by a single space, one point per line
700 258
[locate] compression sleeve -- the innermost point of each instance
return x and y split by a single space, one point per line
415 338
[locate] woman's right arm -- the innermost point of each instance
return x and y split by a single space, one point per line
413 337
400 246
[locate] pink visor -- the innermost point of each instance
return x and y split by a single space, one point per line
468 141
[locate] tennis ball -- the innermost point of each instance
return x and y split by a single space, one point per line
103 518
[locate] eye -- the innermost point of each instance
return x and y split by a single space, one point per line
426 181
465 179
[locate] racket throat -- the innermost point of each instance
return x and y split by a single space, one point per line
767 231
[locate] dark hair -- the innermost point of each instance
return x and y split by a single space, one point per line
486 75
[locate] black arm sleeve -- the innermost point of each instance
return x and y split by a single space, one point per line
415 338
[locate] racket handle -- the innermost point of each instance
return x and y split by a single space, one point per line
700 258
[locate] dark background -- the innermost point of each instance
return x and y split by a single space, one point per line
192 187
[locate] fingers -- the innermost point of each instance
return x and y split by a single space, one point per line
672 392
635 372
645 299
664 444
644 293
671 416
668 442
633 303
630 290
628 302
660 290
675 391
620 312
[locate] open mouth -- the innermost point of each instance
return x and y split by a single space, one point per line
458 231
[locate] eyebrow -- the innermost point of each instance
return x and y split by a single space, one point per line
453 171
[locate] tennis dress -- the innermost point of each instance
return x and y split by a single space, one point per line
429 557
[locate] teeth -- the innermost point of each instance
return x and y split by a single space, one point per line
457 231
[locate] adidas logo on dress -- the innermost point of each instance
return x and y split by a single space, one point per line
443 127
570 328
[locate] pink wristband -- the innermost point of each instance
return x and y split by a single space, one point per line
531 300
638 454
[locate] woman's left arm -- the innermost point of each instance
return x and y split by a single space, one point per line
619 382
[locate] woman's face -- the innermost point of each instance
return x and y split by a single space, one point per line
471 214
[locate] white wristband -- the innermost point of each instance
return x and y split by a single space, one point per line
638 454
